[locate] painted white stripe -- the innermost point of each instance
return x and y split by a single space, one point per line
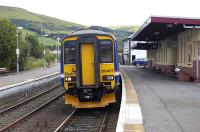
28 81
117 73
129 113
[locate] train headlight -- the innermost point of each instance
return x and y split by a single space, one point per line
69 79
108 77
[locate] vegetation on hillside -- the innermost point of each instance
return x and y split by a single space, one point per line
131 28
29 46
31 38
40 24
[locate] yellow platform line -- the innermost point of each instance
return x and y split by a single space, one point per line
130 117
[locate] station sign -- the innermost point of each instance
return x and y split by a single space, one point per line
17 51
125 51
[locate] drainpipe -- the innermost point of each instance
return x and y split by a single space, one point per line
197 64
129 41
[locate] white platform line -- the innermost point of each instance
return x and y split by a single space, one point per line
130 114
28 81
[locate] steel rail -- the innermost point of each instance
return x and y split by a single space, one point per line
27 101
103 122
72 113
30 113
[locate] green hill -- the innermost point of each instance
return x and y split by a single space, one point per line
34 23
131 28
22 17
40 24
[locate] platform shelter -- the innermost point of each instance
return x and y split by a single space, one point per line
171 42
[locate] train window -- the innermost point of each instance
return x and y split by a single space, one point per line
70 55
106 52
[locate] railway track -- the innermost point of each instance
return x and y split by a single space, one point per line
90 120
17 113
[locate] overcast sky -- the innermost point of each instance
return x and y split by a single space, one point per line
108 12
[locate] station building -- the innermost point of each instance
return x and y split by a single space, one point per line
134 53
127 43
171 42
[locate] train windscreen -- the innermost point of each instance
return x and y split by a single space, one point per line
69 54
106 51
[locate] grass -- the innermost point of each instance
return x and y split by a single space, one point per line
47 41
34 63
19 13
30 20
130 28
47 31
25 31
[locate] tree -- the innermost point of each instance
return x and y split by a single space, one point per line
23 47
7 44
35 46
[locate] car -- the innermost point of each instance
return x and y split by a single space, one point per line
139 62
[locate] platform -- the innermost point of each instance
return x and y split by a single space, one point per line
167 105
11 79
130 117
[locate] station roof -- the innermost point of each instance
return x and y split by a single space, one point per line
157 27
145 45
129 37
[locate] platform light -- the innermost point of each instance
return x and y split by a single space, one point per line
17 49
44 51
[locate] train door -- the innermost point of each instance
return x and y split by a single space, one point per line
87 64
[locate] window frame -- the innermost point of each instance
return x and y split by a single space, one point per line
111 45
69 44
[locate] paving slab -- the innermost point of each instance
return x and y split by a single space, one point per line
27 75
167 105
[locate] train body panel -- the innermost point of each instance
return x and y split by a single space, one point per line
87 64
70 72
105 101
90 69
107 70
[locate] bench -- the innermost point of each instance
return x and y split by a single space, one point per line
3 71
174 72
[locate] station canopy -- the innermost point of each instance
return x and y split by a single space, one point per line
157 28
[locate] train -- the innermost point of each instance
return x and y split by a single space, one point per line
90 72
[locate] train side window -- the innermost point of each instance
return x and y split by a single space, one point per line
70 55
106 52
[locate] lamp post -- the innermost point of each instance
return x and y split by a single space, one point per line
57 46
17 49
44 51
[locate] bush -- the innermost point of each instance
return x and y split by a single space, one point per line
34 63
50 58
7 45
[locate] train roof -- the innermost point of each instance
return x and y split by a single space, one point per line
96 32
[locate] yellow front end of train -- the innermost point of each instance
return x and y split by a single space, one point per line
89 70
